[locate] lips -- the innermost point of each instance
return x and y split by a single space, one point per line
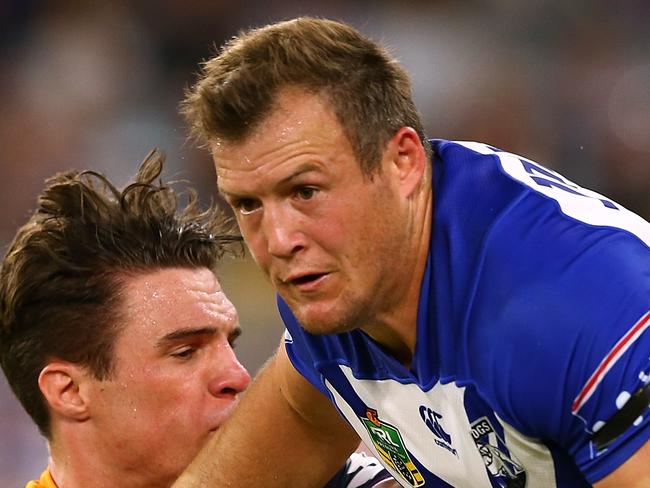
305 279
222 413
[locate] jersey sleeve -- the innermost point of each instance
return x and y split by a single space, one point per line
621 373
569 300
359 471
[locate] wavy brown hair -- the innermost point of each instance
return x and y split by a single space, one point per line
61 276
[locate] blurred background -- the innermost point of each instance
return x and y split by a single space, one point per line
90 84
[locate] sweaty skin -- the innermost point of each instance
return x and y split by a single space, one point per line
325 234
176 379
328 237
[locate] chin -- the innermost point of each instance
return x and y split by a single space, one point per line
181 461
324 324
332 316
321 330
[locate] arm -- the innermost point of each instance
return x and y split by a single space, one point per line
284 433
634 473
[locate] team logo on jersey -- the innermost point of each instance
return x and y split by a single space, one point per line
503 467
431 419
390 446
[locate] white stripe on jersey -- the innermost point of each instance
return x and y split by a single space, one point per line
540 468
579 203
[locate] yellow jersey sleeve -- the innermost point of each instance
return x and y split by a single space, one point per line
45 481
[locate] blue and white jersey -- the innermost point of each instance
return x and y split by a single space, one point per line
359 471
531 334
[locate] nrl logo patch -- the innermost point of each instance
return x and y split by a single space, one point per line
390 446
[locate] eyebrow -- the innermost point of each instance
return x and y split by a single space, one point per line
304 168
186 333
196 331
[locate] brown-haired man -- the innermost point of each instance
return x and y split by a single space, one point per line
476 318
116 335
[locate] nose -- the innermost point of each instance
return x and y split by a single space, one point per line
280 228
230 377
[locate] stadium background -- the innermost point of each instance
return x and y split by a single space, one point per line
90 84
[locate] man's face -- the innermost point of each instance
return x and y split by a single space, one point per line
176 377
326 235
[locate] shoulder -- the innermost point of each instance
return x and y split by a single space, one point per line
45 481
560 277
569 200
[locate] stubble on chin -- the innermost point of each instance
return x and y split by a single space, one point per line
323 322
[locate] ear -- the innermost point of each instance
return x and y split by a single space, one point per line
62 386
408 160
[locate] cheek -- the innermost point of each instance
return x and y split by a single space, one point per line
153 393
333 224
376 250
333 234
168 418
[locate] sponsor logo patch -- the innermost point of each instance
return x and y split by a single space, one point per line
389 444
432 419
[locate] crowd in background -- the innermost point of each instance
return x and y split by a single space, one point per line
89 84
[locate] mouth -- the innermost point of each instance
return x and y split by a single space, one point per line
222 414
306 282
306 279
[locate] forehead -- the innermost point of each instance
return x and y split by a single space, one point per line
300 123
159 302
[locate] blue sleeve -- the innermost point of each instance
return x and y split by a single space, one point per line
570 304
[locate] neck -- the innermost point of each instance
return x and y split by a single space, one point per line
396 325
80 464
